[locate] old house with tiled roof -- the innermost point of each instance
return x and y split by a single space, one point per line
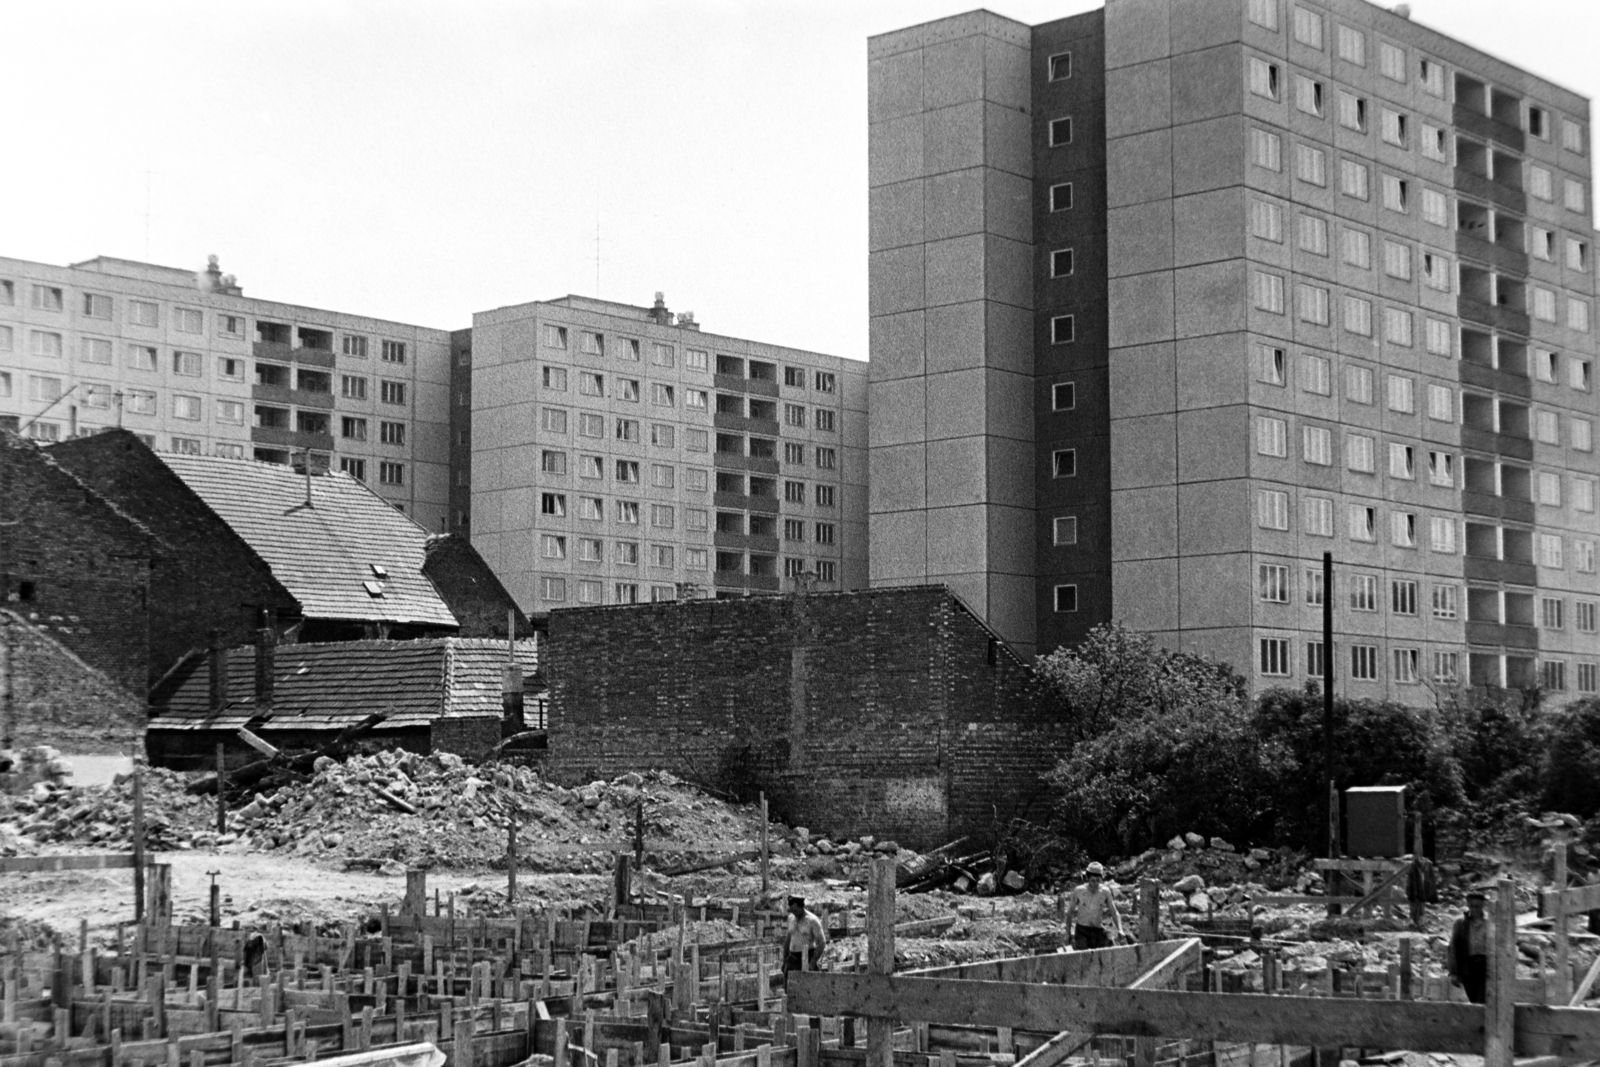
435 693
321 554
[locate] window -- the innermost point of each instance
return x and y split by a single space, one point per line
1269 364
555 378
1392 127
1314 374
591 466
1271 436
8 293
794 415
1401 394
1264 13
1397 325
1266 149
1353 179
1352 45
1552 613
1363 523
1358 315
553 589
1582 434
1396 193
1272 509
352 387
1573 195
1548 550
1060 66
627 429
1272 583
593 344
1267 291
1308 95
1434 147
1402 462
1316 516
553 420
1313 301
1064 530
1441 469
1263 78
1317 443
1061 197
1406 663
590 508
591 425
1403 529
1403 597
1064 463
1584 616
1571 136
50 298
824 496
1310 165
352 429
6 339
696 440
1308 28
1062 329
626 553
48 344
392 433
1061 263
391 473
1358 385
823 418
48 390
392 392
1274 656
1550 488
1358 453
1363 592
96 306
1364 662
555 336
1352 112
1313 234
554 463
1547 427
5 383
823 381
827 459
1578 374
628 471
1066 598
1063 396
1391 61
794 454
1060 132
1544 304
1397 260
1313 586
1553 675
695 399
189 365
628 389
1357 248
696 359
1577 314
824 533
591 384
1583 555
1442 535
554 504
627 513
630 349
1577 254
230 412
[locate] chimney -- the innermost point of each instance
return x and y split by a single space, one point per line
218 660
266 661
659 312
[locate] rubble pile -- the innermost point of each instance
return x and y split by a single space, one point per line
55 812
1218 862
403 809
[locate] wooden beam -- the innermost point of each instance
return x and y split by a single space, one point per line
1182 960
1499 1002
1578 898
258 743
1115 966
1554 1031
1054 1051
1381 888
1581 994
1381 866
1425 1026
880 958
34 864
1281 900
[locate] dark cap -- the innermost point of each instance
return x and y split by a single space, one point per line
797 902
1477 894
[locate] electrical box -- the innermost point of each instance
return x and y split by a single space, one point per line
1375 821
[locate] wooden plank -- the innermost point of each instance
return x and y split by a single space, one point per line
259 744
1424 1026
1115 966
1284 900
1061 1047
1164 975
880 959
1578 898
35 864
1554 1031
1498 1035
1581 994
1383 866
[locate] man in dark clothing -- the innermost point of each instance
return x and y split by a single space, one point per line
1468 959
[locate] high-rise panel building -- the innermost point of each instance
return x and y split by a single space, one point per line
620 454
1172 297
191 365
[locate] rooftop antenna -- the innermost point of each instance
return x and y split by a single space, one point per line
309 504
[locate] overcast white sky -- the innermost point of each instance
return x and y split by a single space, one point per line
419 161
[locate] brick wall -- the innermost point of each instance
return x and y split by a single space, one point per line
208 578
475 596
73 565
471 736
856 712
61 701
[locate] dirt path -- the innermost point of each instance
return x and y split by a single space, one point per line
255 887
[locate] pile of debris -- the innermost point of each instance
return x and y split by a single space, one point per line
56 812
1217 861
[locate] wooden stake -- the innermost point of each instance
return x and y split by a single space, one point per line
880 955
1498 1004
222 804
138 840
1561 987
766 853
511 856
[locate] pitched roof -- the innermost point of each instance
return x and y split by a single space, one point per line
330 686
324 554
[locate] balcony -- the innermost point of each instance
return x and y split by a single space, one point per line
281 352
267 435
1481 187
304 398
734 384
1497 379
1473 121
1495 316
1508 635
732 462
1477 568
767 505
745 542
744 424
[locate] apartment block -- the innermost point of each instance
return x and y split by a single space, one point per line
1236 283
191 365
621 454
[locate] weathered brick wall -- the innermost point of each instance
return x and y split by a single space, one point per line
73 565
207 578
471 736
851 709
61 701
475 596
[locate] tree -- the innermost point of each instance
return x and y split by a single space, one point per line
1116 675
1571 766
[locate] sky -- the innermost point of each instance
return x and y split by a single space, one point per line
419 161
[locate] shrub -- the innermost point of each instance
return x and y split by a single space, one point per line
1570 768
